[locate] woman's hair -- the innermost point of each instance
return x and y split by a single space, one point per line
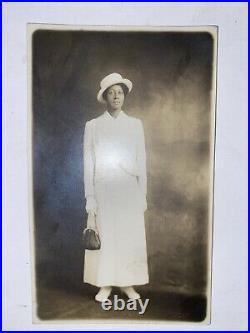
122 85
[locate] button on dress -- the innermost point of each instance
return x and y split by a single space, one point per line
115 175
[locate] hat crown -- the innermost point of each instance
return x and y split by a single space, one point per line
110 78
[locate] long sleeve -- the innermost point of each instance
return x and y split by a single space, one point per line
89 165
141 159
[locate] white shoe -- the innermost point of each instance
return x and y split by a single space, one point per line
103 294
130 292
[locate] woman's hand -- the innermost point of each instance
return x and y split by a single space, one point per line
144 203
91 222
91 205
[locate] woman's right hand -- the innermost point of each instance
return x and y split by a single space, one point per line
91 222
91 205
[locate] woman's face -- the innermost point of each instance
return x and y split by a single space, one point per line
115 97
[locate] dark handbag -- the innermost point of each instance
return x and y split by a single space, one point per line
91 239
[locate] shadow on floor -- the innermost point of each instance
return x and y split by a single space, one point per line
61 304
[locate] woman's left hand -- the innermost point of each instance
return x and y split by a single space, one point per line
144 203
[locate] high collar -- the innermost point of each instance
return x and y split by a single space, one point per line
120 115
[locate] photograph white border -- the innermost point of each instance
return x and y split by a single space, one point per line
230 216
213 31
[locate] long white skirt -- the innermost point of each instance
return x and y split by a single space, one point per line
122 259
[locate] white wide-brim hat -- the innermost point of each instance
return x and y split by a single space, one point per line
109 81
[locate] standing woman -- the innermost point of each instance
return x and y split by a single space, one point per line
115 182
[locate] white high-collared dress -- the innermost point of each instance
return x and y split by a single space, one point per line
115 174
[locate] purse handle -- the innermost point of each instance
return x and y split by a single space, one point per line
86 229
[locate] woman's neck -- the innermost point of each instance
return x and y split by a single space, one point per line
114 113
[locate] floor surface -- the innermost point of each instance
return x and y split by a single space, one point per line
59 304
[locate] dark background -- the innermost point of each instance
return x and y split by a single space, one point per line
171 74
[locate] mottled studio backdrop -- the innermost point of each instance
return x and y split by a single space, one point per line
171 74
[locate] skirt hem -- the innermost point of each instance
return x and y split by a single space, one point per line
117 284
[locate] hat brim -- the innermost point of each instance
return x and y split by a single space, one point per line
127 83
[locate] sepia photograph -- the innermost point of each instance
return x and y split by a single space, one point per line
121 171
